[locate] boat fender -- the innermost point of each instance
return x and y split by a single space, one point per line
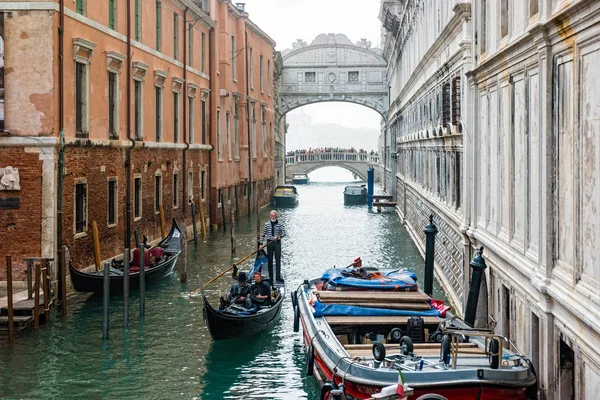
296 319
445 349
294 299
494 350
406 345
310 361
395 335
379 351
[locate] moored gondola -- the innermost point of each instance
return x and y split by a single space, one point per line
235 321
93 281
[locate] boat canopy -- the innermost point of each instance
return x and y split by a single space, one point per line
322 309
399 279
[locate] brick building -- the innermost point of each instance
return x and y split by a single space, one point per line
111 113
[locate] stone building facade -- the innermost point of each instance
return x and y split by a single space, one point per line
108 121
513 166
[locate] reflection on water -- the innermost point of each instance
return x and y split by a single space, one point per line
168 353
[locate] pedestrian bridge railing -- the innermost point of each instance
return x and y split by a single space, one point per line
332 156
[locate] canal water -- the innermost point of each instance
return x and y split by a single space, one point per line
168 354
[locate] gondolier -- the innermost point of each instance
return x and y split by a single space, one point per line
270 237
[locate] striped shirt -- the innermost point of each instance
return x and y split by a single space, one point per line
271 231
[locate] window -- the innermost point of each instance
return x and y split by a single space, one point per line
80 207
251 70
112 201
203 110
81 99
191 119
219 151
269 77
353 77
138 20
175 190
203 183
176 117
228 132
113 108
81 7
455 101
445 104
263 118
503 18
137 120
535 342
233 59
533 9
157 193
175 36
203 51
137 197
190 45
260 68
236 130
159 117
458 180
483 28
158 25
112 14
190 187
310 77
253 131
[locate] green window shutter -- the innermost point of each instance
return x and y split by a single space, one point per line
190 45
158 25
111 14
175 36
81 7
203 44
137 20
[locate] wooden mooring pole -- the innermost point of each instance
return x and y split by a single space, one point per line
105 300
63 279
96 239
142 279
36 301
232 230
162 221
202 221
126 258
46 289
9 293
194 224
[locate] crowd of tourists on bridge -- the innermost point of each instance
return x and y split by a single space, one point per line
330 150
328 154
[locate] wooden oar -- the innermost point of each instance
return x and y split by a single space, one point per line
224 272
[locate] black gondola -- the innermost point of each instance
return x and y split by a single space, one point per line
223 326
93 281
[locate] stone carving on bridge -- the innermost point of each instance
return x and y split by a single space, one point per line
9 179
333 68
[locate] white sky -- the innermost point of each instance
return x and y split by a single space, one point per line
288 20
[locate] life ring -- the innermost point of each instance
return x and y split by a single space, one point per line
379 351
406 345
296 319
294 299
310 361
494 350
445 349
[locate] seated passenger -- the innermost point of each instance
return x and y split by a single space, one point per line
260 292
240 292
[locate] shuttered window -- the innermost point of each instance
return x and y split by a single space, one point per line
80 7
158 25
80 207
190 45
175 36
112 202
138 20
112 14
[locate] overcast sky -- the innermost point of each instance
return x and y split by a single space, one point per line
288 20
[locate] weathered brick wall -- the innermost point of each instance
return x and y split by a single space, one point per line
20 229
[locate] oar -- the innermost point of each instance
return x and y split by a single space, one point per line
224 272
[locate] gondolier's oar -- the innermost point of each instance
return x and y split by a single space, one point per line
227 270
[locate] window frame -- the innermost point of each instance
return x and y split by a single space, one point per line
236 129
175 189
158 191
219 138
82 94
228 133
233 59
158 28
175 36
115 200
251 66
138 110
191 119
137 27
112 14
261 73
137 197
83 231
176 112
113 110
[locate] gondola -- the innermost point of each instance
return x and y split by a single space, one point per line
94 281
224 325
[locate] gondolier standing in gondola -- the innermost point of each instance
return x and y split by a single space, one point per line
270 237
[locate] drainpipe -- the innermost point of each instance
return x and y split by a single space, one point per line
248 126
185 103
128 150
61 149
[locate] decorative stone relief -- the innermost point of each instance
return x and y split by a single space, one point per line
9 179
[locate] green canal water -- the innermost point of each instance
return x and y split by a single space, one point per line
168 354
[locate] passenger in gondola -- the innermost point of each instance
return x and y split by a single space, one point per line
240 292
260 291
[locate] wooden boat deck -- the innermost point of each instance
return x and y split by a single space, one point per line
420 349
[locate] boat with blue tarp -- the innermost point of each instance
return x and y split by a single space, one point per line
366 329
231 321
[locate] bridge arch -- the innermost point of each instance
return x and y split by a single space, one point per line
356 171
332 68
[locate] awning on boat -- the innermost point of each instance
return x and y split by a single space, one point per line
401 279
341 309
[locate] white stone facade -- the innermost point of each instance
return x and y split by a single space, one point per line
525 153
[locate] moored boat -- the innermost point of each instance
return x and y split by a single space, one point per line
170 247
236 321
300 179
286 195
355 194
367 329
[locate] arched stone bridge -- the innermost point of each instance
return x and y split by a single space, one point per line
357 163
